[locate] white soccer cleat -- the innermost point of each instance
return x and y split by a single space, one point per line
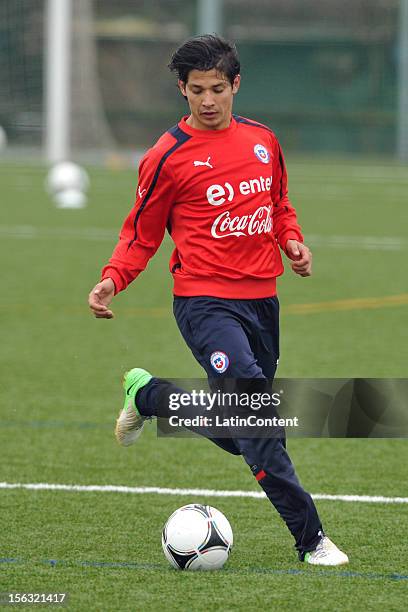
129 426
130 422
326 553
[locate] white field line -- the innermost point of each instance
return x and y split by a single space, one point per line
67 233
31 232
43 486
376 243
376 173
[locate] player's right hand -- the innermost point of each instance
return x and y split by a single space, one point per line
100 298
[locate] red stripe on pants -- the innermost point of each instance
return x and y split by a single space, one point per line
260 475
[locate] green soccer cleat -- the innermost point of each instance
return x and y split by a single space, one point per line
130 422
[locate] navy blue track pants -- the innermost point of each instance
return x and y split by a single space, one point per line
239 340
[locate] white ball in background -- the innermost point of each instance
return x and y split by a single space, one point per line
67 176
70 198
3 138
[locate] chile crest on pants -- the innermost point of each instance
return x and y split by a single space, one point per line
219 361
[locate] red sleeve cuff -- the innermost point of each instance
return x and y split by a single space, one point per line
111 273
289 235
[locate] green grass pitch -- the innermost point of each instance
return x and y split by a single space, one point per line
60 393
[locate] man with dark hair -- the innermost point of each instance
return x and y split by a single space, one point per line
218 183
205 53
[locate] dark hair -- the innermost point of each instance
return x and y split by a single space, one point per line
205 53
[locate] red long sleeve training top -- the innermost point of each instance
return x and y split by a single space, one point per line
222 195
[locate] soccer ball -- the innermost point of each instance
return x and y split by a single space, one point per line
3 138
67 176
70 198
197 537
67 183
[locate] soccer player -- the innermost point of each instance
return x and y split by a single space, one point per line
217 182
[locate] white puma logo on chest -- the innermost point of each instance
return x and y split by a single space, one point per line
206 163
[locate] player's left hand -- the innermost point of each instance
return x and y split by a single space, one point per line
301 255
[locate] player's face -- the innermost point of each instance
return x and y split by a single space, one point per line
209 95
